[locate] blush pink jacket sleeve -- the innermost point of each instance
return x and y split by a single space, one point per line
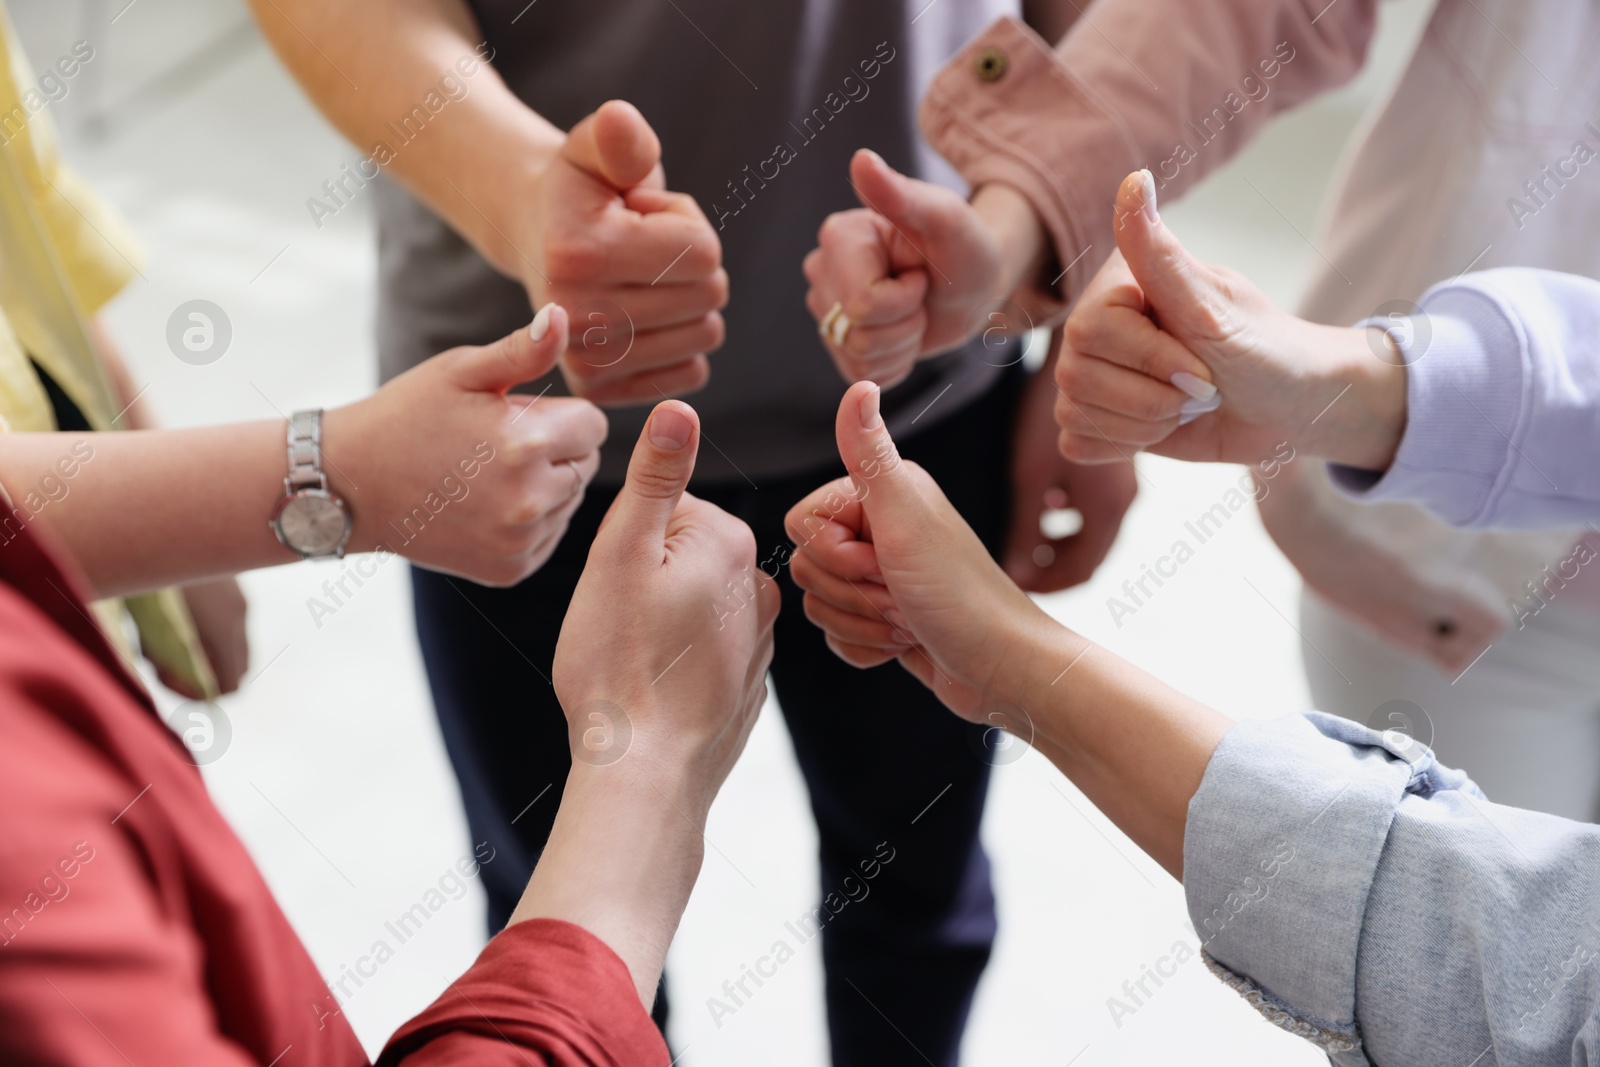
1178 86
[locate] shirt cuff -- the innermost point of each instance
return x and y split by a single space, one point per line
548 987
982 112
1283 840
1464 404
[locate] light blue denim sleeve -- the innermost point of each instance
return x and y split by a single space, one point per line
1503 403
1370 900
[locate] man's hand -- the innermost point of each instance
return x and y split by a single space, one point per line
639 268
1043 481
914 269
661 669
1191 360
446 467
670 629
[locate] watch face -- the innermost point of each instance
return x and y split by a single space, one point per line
314 523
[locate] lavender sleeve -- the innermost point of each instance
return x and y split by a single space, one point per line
1503 403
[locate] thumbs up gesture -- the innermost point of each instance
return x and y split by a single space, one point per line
892 572
910 273
639 268
1186 359
446 467
663 655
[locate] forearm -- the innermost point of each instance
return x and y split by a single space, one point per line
368 64
621 861
146 509
1136 747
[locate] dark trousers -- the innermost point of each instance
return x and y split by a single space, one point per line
885 762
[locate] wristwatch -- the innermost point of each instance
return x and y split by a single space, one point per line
311 519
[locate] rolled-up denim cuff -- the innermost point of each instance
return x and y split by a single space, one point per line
1283 839
1465 396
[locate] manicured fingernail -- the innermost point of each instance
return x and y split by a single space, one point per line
1147 189
1193 409
669 429
541 324
870 419
1198 388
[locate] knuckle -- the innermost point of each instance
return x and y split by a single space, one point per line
713 330
1071 373
1074 447
652 481
1152 407
1080 330
833 228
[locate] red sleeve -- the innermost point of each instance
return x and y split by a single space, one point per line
543 990
98 965
1178 87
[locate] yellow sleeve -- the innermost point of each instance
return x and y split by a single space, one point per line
96 250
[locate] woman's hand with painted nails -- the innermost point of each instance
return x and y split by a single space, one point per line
448 467
1170 355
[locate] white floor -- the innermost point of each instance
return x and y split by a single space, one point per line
335 776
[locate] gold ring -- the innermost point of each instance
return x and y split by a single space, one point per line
835 325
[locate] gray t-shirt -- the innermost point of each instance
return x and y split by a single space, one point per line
759 107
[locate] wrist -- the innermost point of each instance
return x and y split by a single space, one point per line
1038 652
1019 234
517 232
1364 426
621 862
351 477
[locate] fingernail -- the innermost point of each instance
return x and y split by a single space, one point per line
541 324
1193 409
669 429
1196 387
897 620
869 410
1147 188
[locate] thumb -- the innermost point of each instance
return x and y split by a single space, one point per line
615 144
1174 282
516 358
908 204
887 490
658 474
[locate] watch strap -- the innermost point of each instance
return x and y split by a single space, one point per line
305 452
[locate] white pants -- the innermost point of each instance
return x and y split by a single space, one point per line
1524 720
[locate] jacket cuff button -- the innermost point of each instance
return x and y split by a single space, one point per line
991 64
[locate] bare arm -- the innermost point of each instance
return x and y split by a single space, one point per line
493 480
891 547
367 63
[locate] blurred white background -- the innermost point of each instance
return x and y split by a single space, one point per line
336 777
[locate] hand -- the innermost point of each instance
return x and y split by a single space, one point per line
892 572
1043 481
218 608
446 467
1190 360
670 630
661 669
640 268
914 268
